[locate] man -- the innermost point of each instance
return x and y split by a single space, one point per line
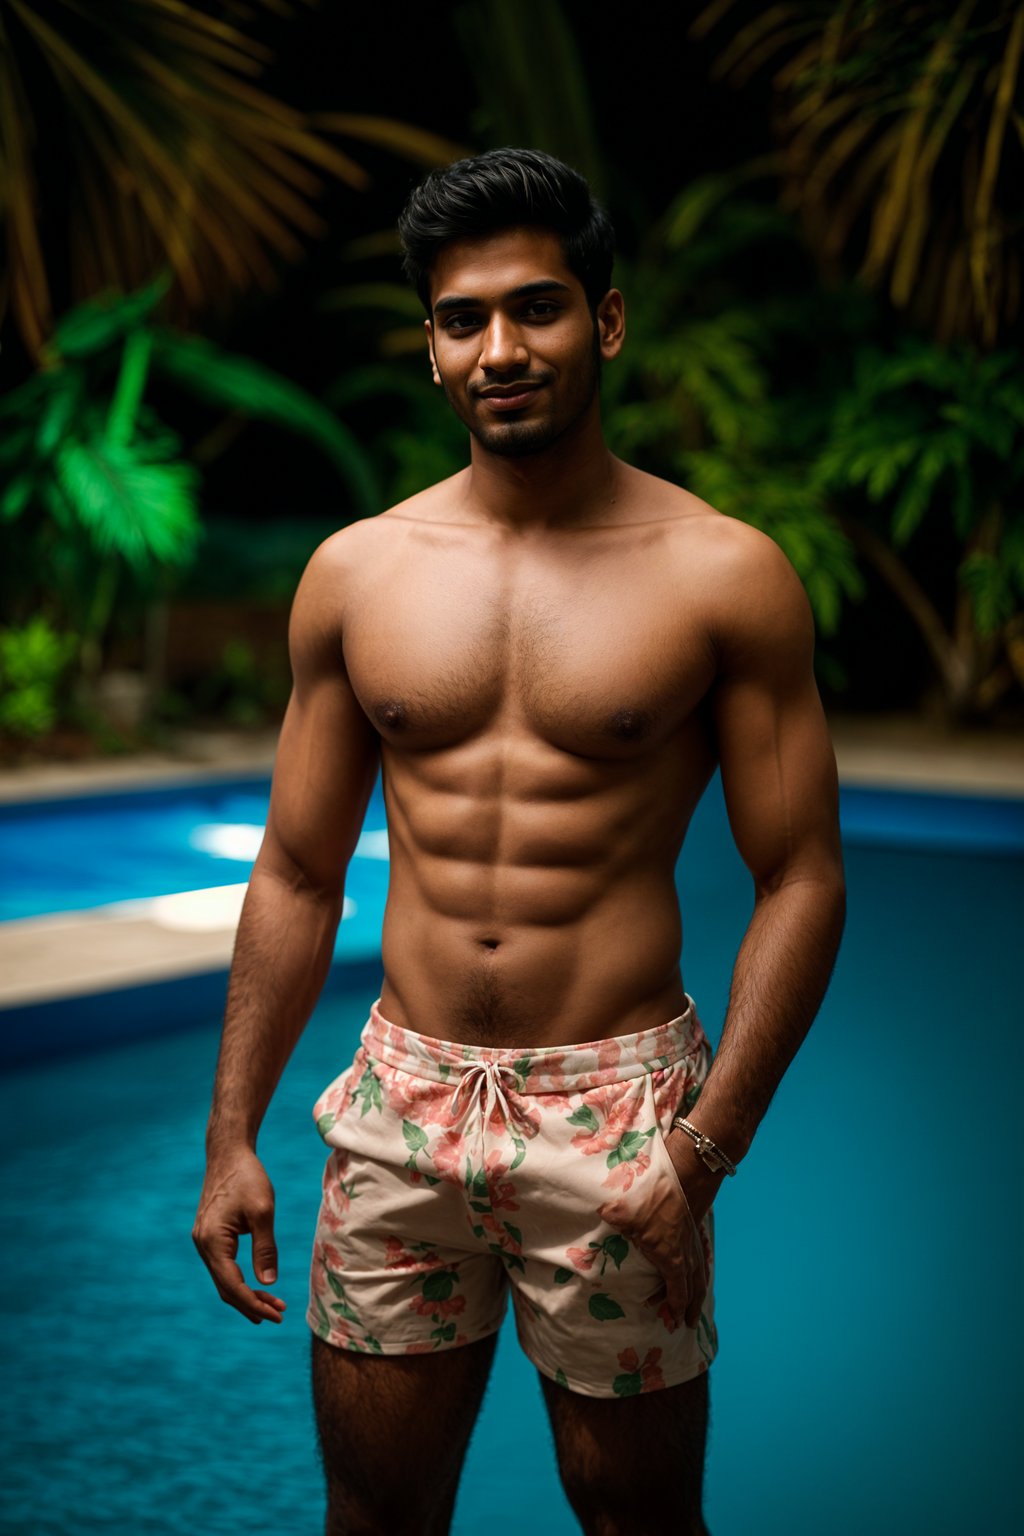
547 655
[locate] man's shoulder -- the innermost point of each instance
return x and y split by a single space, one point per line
725 547
361 540
745 585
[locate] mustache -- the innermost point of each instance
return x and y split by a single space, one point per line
510 385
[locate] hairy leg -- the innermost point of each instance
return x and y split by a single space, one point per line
393 1432
632 1466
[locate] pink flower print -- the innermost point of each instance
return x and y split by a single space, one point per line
663 1312
449 1154
612 1109
622 1175
398 1090
525 1118
505 1239
501 1196
500 1191
398 1257
558 1103
648 1370
608 1053
582 1258
438 1307
330 1256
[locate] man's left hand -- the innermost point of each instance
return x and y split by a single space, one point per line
660 1217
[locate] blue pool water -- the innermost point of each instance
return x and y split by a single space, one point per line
63 855
869 1253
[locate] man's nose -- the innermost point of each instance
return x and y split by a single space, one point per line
502 346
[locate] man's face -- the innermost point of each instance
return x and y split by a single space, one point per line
513 341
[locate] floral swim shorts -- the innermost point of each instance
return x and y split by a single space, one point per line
458 1171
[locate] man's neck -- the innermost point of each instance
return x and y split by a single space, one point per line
573 483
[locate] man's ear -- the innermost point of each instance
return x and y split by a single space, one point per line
611 323
430 348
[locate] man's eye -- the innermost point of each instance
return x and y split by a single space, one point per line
542 307
461 323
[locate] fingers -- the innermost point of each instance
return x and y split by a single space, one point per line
257 1306
238 1197
264 1249
680 1262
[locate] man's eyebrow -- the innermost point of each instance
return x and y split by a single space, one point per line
524 291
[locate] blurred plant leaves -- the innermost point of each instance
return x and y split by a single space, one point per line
901 129
170 154
241 384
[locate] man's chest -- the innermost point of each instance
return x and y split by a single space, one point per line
604 654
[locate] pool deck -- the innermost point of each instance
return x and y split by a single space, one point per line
122 944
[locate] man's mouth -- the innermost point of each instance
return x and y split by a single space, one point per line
511 399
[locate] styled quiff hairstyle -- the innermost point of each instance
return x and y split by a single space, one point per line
506 189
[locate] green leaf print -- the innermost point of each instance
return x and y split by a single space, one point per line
520 1154
616 1247
690 1097
631 1143
439 1285
561 1276
604 1307
585 1117
368 1092
414 1137
483 1206
709 1334
513 1232
445 1332
374 1343
431 1178
324 1123
561 1378
522 1067
480 1189
344 1310
628 1384
335 1284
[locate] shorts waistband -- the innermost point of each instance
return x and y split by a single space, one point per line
538 1069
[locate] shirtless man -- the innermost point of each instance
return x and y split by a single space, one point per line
547 655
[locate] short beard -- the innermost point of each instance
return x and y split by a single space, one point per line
522 440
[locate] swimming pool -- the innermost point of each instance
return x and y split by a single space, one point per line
868 1254
62 855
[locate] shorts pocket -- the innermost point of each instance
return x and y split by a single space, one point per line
659 1149
335 1100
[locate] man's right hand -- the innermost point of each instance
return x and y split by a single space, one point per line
238 1197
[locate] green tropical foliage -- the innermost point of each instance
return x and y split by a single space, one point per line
176 157
902 130
697 395
34 661
100 487
932 439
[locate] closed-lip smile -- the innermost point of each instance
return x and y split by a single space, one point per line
508 397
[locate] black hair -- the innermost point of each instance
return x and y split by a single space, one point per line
505 189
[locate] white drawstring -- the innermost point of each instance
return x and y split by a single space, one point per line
490 1073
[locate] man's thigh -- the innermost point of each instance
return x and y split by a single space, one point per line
632 1466
393 1433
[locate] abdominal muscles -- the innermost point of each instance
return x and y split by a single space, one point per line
532 895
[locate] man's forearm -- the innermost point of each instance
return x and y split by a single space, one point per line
781 973
282 954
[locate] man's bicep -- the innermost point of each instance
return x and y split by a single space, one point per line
778 768
328 753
